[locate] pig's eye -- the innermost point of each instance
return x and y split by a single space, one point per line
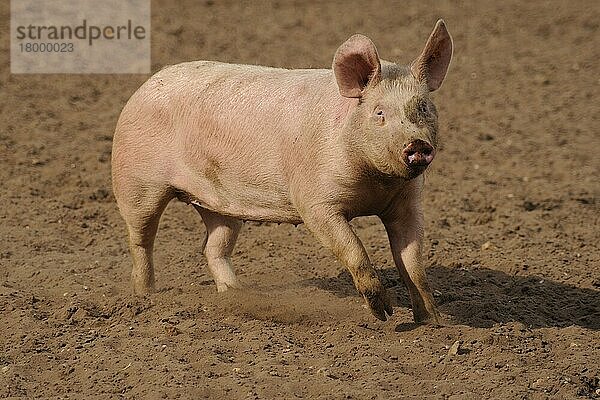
379 116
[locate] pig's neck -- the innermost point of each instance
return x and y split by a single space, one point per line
343 111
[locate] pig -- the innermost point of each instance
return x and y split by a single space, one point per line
312 146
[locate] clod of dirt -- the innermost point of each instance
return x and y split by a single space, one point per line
171 330
328 374
541 79
99 194
455 348
487 246
485 137
590 386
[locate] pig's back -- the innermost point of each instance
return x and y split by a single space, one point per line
212 100
240 94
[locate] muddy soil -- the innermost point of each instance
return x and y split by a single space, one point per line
512 228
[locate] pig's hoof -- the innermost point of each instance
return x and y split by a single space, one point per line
225 286
432 321
379 304
142 290
143 282
426 318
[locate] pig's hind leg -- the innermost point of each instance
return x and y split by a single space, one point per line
222 233
141 209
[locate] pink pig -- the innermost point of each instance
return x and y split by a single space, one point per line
312 146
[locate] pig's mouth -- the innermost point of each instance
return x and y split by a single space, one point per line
417 156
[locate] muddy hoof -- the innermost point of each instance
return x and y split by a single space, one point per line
428 319
379 304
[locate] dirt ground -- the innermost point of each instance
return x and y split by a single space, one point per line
511 206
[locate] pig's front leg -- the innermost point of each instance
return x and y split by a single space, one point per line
334 231
405 232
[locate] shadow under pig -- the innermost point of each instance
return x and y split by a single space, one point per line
483 297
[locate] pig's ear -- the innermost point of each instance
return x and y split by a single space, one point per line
356 65
431 66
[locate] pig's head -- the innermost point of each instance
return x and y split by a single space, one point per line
393 127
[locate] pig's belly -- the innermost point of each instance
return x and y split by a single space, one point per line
243 197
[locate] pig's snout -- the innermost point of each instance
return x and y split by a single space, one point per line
418 154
